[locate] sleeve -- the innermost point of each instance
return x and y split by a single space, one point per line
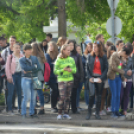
38 65
8 68
48 59
128 66
81 68
88 75
73 67
104 73
114 66
57 69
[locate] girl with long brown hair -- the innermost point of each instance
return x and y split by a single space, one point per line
78 76
36 51
51 56
61 41
96 68
44 46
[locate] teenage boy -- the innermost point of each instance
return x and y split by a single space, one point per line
49 37
4 54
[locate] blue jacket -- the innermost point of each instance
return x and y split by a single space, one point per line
31 68
53 77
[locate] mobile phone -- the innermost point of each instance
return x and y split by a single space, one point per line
96 79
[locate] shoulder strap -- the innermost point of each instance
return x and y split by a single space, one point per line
6 54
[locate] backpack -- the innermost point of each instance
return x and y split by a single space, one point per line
47 72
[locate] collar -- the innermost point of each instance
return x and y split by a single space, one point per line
28 58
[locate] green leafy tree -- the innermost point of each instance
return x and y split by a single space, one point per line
125 12
95 15
25 18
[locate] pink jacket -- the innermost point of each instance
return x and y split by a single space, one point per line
10 66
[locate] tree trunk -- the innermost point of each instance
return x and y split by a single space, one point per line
61 18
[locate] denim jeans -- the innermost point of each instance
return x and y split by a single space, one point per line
41 97
86 94
29 94
78 94
11 87
115 87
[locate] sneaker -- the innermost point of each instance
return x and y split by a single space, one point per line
94 106
66 116
109 110
114 116
59 117
4 111
18 111
78 109
76 112
54 110
103 112
94 113
34 116
23 116
10 113
41 112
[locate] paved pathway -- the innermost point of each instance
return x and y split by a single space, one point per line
77 119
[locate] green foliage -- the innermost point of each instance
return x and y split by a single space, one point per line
95 29
95 13
125 12
25 18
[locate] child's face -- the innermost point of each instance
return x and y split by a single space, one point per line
71 46
78 49
51 48
16 48
89 48
12 41
28 52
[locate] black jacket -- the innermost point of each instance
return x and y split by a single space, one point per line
90 66
82 47
79 76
